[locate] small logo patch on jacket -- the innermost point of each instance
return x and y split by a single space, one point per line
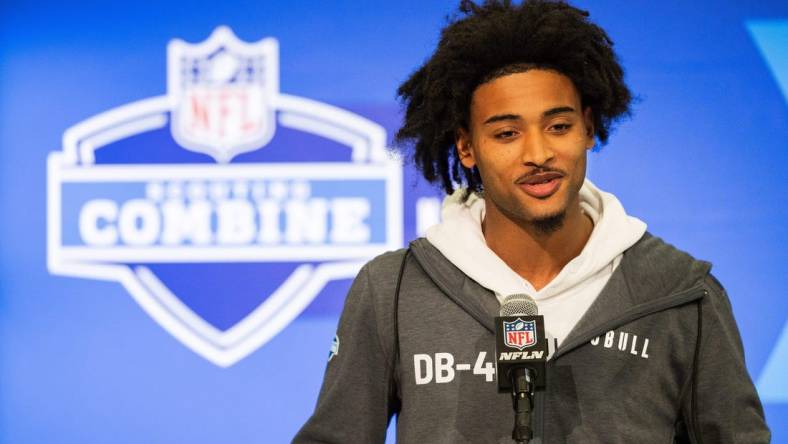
334 348
623 342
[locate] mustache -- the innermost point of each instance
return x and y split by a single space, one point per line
537 172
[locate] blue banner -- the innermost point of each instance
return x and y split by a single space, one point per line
188 190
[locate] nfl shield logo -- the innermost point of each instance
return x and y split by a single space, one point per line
223 91
519 334
178 232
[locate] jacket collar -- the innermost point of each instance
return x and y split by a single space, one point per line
651 277
476 300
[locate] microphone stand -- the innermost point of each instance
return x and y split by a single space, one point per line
522 392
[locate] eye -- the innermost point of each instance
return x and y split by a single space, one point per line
560 128
505 134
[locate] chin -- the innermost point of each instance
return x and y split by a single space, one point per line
548 224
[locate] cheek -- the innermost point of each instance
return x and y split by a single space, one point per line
580 169
493 180
496 168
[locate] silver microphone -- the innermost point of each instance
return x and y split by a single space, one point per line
520 358
519 305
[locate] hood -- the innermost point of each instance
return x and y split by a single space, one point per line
652 276
459 238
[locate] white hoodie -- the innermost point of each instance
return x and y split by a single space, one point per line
565 299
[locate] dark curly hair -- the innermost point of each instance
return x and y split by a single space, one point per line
490 40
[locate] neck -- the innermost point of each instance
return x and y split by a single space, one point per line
535 255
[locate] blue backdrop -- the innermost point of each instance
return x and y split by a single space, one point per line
98 349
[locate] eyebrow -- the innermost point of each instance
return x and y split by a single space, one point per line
548 113
558 110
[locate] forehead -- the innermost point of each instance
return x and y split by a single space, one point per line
527 94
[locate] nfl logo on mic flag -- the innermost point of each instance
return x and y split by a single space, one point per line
519 334
208 204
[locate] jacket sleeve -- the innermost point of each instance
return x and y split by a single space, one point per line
355 402
721 405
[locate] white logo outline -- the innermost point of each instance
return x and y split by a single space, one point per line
223 39
76 162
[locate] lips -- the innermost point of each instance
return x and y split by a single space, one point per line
541 185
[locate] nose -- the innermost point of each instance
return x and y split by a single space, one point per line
536 150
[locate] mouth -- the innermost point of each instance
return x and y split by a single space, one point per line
541 186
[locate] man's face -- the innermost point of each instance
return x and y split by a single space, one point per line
528 136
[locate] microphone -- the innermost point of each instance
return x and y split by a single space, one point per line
520 355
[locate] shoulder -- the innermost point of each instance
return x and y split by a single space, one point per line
717 297
651 249
658 266
651 263
377 280
386 263
386 273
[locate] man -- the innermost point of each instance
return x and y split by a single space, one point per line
644 345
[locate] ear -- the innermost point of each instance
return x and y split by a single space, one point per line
588 120
464 148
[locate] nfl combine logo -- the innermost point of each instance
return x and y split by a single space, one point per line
519 334
225 206
223 92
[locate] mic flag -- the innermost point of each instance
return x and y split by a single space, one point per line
519 342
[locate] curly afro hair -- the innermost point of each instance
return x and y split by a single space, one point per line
491 40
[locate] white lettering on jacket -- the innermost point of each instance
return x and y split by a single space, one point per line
441 368
624 342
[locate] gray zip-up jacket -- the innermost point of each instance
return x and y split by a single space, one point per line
657 358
